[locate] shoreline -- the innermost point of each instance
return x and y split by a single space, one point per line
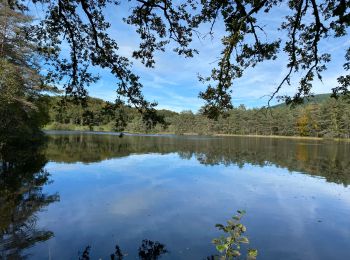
213 135
288 137
280 136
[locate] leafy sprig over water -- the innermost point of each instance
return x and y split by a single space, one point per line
229 246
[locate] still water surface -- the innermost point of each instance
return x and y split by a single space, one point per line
102 190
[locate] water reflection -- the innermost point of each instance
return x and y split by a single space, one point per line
320 158
145 190
22 177
149 250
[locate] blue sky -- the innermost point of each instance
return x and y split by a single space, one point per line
173 83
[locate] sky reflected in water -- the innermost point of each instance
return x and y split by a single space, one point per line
167 189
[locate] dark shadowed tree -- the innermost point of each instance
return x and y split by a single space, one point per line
22 178
23 108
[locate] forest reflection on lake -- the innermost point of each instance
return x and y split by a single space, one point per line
109 191
22 177
319 158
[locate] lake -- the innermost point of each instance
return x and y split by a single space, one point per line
100 190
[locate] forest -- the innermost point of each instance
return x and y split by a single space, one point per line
32 70
321 116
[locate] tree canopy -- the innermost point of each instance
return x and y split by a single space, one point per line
83 25
22 105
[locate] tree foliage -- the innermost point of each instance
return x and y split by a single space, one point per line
321 117
230 246
83 25
23 108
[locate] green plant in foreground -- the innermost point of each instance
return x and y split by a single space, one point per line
229 246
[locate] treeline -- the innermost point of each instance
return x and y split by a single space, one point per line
329 118
324 117
98 115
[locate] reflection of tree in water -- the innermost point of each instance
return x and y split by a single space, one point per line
118 254
22 178
321 158
149 250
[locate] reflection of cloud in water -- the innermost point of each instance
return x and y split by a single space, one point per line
138 201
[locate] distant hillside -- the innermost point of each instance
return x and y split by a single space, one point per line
98 115
317 99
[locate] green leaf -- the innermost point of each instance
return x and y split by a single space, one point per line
221 248
215 241
244 240
235 253
220 226
242 212
252 254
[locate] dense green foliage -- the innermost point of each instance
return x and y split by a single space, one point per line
96 114
320 117
23 109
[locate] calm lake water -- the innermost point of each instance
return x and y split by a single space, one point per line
101 190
